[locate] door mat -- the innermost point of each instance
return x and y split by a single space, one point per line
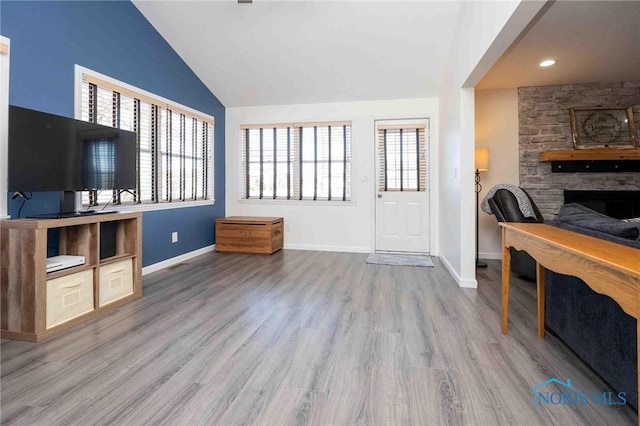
400 259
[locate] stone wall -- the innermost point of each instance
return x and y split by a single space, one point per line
544 124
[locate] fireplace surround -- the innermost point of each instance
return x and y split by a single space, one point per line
544 126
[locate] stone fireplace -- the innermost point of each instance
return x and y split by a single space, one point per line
544 124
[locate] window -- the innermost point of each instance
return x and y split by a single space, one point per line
403 158
297 161
174 144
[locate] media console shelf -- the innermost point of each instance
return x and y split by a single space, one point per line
36 304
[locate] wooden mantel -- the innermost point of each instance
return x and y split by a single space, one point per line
590 154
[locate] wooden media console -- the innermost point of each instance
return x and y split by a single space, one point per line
37 304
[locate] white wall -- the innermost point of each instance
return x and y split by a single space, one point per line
4 125
334 226
484 31
496 129
450 181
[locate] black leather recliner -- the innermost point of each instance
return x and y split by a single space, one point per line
504 206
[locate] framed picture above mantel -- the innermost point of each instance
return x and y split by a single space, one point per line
603 127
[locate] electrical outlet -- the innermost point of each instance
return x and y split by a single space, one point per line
174 237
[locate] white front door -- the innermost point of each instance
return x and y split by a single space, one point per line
402 193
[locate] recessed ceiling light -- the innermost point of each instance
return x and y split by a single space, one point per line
548 62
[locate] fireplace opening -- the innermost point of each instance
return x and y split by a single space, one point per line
618 204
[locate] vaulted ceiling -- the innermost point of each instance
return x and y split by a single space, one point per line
272 52
287 52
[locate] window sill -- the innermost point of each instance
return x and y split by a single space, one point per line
309 203
156 206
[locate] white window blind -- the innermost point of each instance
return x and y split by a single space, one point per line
403 158
174 144
299 161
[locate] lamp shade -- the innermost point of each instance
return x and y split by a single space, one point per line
482 159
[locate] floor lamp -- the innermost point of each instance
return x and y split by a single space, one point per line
482 165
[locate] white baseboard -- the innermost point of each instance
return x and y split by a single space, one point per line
490 255
473 283
466 283
175 260
341 249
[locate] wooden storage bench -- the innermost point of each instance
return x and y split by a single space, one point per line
246 234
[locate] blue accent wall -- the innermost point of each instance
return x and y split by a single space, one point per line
112 38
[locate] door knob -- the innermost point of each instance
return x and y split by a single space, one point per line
379 195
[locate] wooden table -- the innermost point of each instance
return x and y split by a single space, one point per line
608 268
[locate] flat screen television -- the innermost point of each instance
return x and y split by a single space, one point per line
52 153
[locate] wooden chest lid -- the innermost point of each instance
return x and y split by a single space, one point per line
249 219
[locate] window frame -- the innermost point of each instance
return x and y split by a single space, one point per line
79 72
295 162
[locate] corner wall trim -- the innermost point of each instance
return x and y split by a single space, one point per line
175 260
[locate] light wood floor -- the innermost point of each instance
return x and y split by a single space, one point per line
301 337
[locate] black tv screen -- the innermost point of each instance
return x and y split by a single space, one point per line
52 153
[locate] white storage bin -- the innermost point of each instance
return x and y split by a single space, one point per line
69 297
116 281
